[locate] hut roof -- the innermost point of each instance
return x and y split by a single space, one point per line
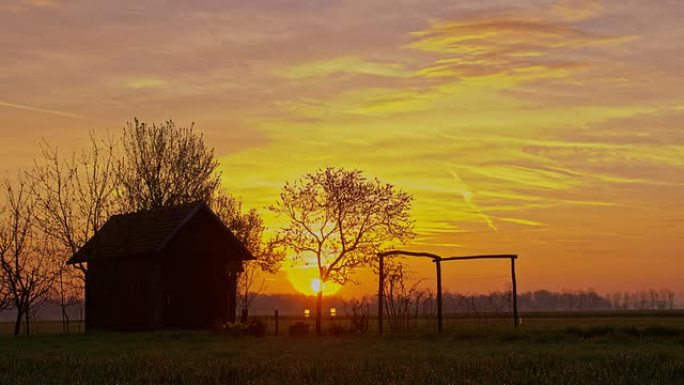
146 232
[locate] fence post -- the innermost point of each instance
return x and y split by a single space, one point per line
440 316
514 293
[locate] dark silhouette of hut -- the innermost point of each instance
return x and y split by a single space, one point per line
167 268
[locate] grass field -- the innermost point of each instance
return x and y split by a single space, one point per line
548 349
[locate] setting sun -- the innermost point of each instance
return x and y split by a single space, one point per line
316 285
306 281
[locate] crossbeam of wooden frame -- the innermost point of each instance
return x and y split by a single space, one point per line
438 271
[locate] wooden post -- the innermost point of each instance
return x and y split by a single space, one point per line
514 294
440 320
381 288
276 323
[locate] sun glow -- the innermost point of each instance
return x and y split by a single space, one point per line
306 281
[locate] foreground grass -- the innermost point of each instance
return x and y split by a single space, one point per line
596 354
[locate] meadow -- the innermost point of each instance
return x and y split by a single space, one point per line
547 349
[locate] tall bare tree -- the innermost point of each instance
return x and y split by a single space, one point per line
75 193
5 302
25 254
163 164
339 220
74 198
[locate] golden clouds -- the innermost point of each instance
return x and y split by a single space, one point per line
344 65
142 83
546 120
518 45
577 10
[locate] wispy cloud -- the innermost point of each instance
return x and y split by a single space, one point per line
345 65
38 109
467 195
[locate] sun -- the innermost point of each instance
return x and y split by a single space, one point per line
316 285
305 280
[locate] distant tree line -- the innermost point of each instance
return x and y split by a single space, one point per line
663 299
422 302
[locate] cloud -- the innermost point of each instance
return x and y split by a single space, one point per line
37 109
142 83
577 10
563 117
467 194
41 3
344 65
515 44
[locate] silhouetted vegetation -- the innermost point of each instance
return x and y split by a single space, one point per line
48 212
339 220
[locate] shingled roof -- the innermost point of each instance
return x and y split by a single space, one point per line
144 232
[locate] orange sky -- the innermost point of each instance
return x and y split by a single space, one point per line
551 129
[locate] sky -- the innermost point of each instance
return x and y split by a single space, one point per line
550 129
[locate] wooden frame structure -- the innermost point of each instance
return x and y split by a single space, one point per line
438 270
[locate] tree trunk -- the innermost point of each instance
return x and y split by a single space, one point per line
65 319
62 304
27 317
17 322
319 311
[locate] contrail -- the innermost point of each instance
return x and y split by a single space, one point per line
468 198
43 110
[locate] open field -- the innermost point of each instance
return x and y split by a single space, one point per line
548 349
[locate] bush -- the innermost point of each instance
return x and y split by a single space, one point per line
255 327
234 328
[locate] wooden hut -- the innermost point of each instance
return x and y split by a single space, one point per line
168 268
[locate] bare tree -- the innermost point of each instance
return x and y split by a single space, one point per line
163 165
4 292
402 300
75 193
5 299
25 255
75 198
249 228
359 314
339 220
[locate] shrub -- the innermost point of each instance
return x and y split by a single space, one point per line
234 328
255 327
